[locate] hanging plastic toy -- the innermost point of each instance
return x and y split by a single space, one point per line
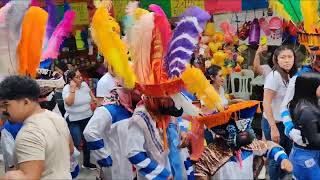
254 34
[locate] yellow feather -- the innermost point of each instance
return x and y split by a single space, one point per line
196 82
278 7
105 34
309 11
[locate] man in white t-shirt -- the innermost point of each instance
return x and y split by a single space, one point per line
43 144
105 85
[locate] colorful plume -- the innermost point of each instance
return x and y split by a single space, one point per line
309 11
139 41
185 39
30 45
105 33
62 31
52 21
3 12
196 83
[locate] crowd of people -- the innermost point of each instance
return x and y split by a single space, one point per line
150 131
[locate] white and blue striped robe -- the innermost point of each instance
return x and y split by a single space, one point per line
106 135
285 114
145 147
232 169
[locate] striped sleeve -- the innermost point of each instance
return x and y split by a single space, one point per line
285 113
147 167
189 168
137 155
93 134
277 153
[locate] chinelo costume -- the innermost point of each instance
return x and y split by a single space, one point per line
230 153
161 64
107 130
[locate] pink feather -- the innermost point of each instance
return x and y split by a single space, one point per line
3 12
157 9
162 22
35 3
62 31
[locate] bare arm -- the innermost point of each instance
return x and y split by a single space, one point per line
72 93
27 170
267 100
70 99
256 62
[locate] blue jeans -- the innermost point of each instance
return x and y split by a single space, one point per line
306 163
76 130
275 171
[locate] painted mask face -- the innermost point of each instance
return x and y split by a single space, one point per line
238 132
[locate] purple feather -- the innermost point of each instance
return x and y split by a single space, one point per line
184 40
186 25
201 15
52 20
181 43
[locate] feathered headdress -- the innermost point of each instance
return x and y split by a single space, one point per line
3 12
106 34
11 36
128 20
52 20
62 31
30 45
185 40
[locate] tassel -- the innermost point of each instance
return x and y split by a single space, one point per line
165 137
239 157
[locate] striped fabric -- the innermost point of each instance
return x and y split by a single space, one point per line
147 167
285 113
100 154
75 172
287 122
278 154
189 169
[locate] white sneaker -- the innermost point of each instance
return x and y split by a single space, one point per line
262 174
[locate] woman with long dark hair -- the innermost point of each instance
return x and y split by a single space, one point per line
305 110
275 87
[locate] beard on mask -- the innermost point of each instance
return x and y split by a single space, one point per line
171 111
243 138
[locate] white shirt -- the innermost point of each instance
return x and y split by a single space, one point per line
266 69
105 85
222 96
275 83
114 136
81 108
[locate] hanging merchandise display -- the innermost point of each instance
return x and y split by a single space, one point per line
254 33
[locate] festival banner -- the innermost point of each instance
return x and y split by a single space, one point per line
254 4
179 6
82 15
222 6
